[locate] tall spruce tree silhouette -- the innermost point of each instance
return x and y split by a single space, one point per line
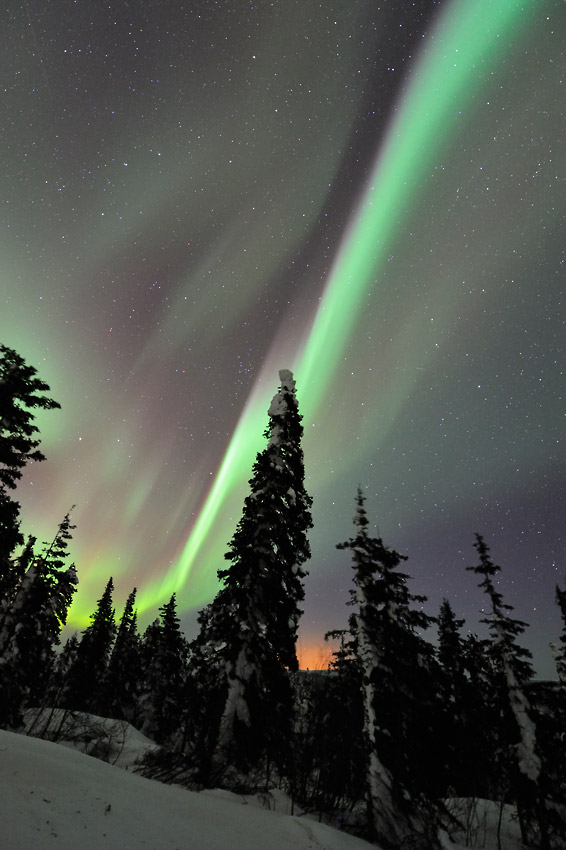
21 393
517 733
394 662
252 623
163 689
33 599
85 686
31 624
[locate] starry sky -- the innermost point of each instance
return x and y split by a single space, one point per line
198 194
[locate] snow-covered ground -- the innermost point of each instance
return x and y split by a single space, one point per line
54 797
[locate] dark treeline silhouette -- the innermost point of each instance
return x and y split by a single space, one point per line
379 743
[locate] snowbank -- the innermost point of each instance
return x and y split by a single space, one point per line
114 741
54 798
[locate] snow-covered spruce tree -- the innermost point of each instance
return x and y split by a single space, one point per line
124 667
551 733
21 392
517 731
84 688
30 624
163 679
560 650
250 628
394 661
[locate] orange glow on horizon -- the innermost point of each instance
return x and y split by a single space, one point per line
314 656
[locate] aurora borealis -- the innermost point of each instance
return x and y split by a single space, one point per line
199 194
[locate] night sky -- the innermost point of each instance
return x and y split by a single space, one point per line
196 195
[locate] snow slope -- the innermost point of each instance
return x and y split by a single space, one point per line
54 798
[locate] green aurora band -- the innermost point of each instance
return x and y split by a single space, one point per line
468 43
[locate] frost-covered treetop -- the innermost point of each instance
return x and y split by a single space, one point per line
278 404
287 381
281 403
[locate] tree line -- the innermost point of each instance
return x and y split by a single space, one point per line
378 742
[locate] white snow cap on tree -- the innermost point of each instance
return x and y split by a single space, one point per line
287 381
278 404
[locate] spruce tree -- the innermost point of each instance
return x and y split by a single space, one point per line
251 627
163 689
453 699
61 667
84 689
10 539
54 588
206 691
560 651
33 597
21 393
123 674
465 737
517 732
551 723
394 661
31 622
450 652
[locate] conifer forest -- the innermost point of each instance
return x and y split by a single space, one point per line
413 712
